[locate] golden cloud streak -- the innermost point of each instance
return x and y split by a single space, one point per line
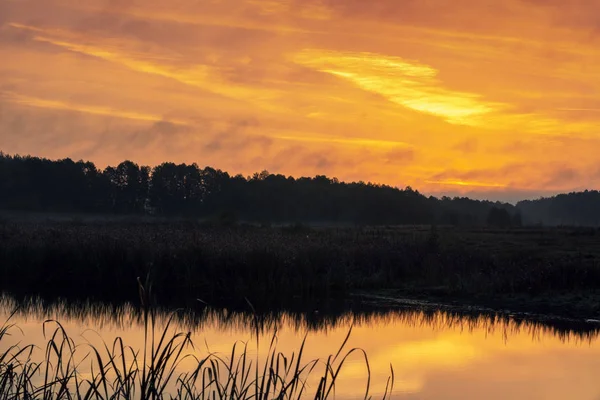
362 142
222 19
416 86
349 27
458 182
199 76
89 109
406 83
579 109
193 77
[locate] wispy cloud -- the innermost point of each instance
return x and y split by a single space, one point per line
458 182
360 142
404 82
437 95
82 108
417 86
201 76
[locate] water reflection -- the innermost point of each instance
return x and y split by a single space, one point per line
198 318
436 354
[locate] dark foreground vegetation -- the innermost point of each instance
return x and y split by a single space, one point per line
551 270
41 185
154 369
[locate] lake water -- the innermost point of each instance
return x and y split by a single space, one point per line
434 354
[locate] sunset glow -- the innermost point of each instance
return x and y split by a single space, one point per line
485 98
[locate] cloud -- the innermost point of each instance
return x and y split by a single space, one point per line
353 141
438 95
499 178
416 86
319 162
234 138
400 156
90 109
129 55
404 82
134 143
467 146
525 177
561 176
465 183
109 139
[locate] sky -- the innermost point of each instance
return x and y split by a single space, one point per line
483 98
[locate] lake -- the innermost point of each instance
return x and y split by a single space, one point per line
435 354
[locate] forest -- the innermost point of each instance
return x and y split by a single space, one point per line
36 184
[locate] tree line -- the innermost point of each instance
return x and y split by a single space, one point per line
569 209
37 184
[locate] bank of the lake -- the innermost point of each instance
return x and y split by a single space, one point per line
553 270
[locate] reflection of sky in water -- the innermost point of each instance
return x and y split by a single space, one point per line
434 355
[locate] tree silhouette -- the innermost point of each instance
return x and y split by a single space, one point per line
577 208
517 220
38 184
498 217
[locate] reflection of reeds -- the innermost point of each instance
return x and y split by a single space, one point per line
100 314
119 371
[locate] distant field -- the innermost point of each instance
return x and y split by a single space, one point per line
548 269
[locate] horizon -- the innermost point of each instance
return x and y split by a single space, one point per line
482 100
510 198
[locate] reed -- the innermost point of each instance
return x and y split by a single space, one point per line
120 371
278 266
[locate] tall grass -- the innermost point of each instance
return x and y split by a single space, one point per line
121 371
275 266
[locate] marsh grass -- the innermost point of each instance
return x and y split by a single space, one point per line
166 367
273 265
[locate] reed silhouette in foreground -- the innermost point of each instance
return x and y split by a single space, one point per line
120 371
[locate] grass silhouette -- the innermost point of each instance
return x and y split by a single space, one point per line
120 371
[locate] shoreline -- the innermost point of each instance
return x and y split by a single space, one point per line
550 307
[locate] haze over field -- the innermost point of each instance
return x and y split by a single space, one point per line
479 97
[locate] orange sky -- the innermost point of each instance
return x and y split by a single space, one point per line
488 98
